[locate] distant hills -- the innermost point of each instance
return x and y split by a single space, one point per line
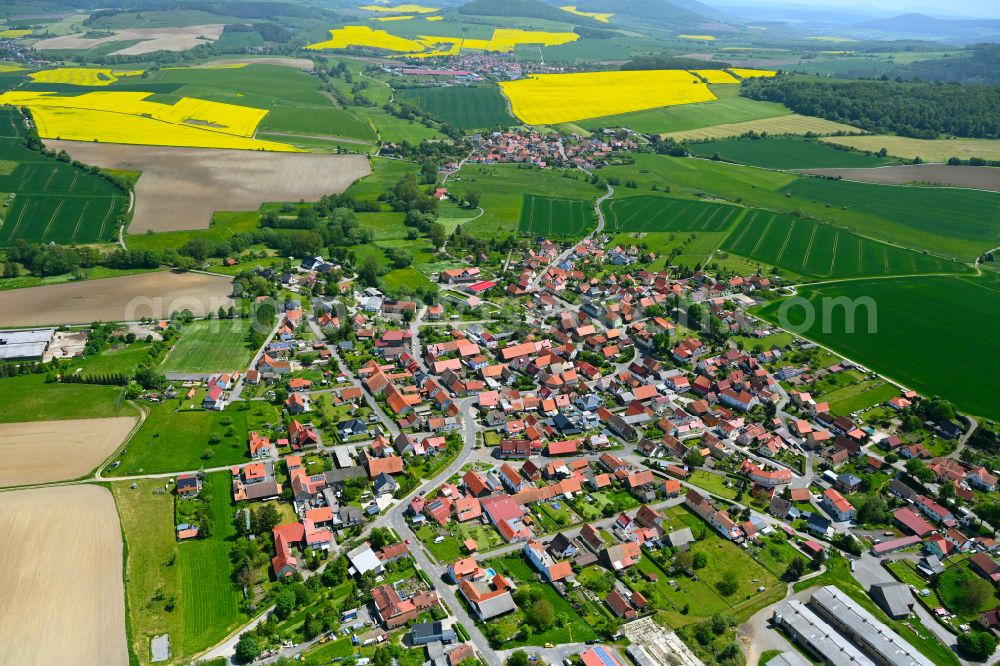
659 12
964 31
525 9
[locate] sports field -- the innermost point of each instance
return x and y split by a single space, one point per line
463 107
917 318
555 218
814 249
787 153
212 345
653 213
53 200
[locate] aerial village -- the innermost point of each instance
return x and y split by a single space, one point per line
627 446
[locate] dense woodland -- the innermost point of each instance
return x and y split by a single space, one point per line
913 109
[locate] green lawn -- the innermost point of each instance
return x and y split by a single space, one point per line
713 483
859 396
787 153
123 358
903 342
211 345
29 398
174 440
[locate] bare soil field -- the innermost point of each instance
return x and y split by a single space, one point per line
929 150
297 63
153 39
790 124
180 188
47 451
126 298
974 177
66 599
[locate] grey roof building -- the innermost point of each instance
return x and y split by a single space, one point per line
788 659
816 636
880 642
25 344
894 598
428 632
680 538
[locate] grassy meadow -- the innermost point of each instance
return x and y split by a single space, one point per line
555 218
30 398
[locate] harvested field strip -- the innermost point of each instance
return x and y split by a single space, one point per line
126 298
48 451
972 177
782 124
70 606
929 150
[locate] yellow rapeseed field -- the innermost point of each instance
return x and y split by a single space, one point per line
597 16
10 67
751 73
502 41
703 38
392 18
545 99
434 18
80 76
126 117
11 33
401 9
361 35
715 75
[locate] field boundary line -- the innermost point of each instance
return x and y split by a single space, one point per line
763 235
833 254
747 223
79 220
788 237
52 218
17 225
809 247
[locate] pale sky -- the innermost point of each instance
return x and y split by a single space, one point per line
964 9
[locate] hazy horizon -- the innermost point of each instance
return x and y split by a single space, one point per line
969 9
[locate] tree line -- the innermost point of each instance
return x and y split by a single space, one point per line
913 109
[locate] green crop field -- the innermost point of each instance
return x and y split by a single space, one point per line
463 107
30 398
916 319
656 213
211 345
503 187
53 201
946 221
969 218
787 153
814 249
728 108
555 218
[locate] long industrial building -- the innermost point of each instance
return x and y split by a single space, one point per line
28 344
884 645
816 636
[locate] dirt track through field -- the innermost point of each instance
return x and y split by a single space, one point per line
126 298
180 188
62 578
47 451
152 39
975 177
